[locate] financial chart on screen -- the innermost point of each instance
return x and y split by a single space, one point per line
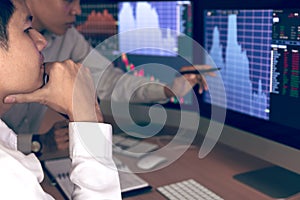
98 22
258 51
168 20
239 41
285 72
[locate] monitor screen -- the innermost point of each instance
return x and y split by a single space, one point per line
258 53
239 42
257 50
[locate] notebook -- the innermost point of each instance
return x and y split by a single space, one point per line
58 171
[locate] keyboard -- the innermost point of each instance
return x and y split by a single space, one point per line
187 189
132 147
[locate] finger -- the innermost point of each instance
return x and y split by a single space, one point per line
202 67
203 85
200 91
61 133
190 77
195 67
63 146
62 139
61 124
36 96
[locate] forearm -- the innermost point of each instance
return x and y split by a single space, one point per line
113 84
152 92
117 86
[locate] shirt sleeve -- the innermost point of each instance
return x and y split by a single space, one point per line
93 172
112 83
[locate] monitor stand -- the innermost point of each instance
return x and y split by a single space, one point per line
274 181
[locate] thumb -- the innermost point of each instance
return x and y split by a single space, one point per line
36 96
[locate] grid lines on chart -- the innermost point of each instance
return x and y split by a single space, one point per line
248 41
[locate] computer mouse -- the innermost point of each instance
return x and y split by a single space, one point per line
150 161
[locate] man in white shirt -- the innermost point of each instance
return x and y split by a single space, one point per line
21 80
55 19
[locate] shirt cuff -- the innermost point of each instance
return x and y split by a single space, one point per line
24 143
89 139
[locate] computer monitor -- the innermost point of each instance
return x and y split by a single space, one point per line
257 48
153 36
168 25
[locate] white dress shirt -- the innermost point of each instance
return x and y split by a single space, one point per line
93 170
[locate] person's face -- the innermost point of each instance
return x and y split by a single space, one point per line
55 16
21 65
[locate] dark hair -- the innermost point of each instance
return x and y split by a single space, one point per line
7 10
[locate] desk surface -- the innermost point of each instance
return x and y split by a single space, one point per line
214 171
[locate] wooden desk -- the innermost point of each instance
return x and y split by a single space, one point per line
214 171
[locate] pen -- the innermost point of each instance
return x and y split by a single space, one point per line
200 71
